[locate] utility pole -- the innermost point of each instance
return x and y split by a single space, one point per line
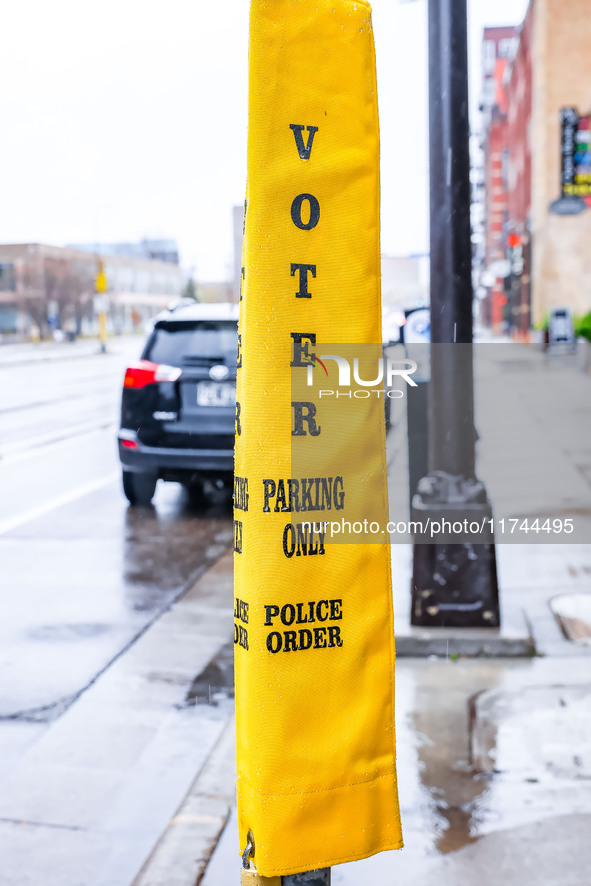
454 579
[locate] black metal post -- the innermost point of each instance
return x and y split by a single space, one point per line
454 579
318 877
308 878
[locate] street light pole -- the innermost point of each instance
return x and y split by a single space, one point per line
452 443
454 580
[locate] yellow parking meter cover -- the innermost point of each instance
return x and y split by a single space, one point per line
314 640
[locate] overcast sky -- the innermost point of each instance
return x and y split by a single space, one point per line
127 119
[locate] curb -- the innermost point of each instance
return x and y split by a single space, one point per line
182 854
59 352
514 639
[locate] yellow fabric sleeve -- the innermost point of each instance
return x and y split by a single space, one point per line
314 639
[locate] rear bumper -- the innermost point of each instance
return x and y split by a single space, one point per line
154 459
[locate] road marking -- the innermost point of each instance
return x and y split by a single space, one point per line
15 452
60 501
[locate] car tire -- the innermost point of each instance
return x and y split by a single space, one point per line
139 488
195 493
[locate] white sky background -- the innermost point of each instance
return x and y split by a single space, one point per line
128 118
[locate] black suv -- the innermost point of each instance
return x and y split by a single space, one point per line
178 405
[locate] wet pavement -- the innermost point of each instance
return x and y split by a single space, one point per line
83 574
89 797
86 580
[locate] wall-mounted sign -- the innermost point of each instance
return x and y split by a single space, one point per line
576 153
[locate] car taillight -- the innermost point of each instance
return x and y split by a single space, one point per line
145 373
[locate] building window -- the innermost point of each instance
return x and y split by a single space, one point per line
507 47
488 56
489 92
505 161
7 277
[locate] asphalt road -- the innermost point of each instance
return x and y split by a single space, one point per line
83 574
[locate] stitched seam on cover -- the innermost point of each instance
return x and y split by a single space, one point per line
349 784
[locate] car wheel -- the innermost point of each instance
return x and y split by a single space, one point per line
139 488
195 493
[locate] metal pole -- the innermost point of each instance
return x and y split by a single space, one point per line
320 877
452 400
308 878
454 580
250 877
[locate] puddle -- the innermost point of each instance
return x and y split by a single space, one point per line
215 683
452 792
483 749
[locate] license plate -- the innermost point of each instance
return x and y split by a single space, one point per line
215 393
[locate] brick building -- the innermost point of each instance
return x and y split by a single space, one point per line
498 48
518 232
535 258
562 79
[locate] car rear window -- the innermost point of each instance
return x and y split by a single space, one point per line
190 342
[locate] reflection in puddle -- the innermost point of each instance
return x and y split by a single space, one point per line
170 545
216 682
485 747
440 720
